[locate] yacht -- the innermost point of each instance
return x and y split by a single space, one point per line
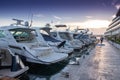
86 37
11 65
113 31
57 45
23 42
64 35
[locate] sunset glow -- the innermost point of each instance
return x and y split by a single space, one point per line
92 24
96 23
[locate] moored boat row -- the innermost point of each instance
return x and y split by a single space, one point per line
45 51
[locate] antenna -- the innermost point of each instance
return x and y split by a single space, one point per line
52 23
68 29
31 20
26 24
87 30
76 30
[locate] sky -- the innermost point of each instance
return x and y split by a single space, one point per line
83 13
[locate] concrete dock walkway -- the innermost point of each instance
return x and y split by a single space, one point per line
103 63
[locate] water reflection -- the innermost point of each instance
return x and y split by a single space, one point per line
100 44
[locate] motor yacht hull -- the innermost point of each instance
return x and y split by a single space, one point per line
46 70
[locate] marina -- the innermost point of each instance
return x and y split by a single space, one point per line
60 40
41 58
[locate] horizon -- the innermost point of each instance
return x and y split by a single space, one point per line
83 13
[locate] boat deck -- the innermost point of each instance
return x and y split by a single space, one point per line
7 72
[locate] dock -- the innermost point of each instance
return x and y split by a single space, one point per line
102 63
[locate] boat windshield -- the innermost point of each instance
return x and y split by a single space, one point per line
75 36
24 35
85 36
65 35
49 38
2 34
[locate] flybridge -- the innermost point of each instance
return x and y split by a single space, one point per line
60 25
19 22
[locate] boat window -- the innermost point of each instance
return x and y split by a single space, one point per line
53 34
85 36
23 35
2 34
49 38
75 36
65 35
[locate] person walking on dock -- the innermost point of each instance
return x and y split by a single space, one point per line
101 40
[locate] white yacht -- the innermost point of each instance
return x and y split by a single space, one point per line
64 35
11 65
23 42
57 45
113 31
86 37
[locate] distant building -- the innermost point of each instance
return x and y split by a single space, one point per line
113 30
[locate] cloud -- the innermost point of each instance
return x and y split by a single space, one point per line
37 23
113 16
6 22
96 23
56 17
58 22
73 23
89 17
67 18
117 6
114 2
38 15
91 23
104 4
